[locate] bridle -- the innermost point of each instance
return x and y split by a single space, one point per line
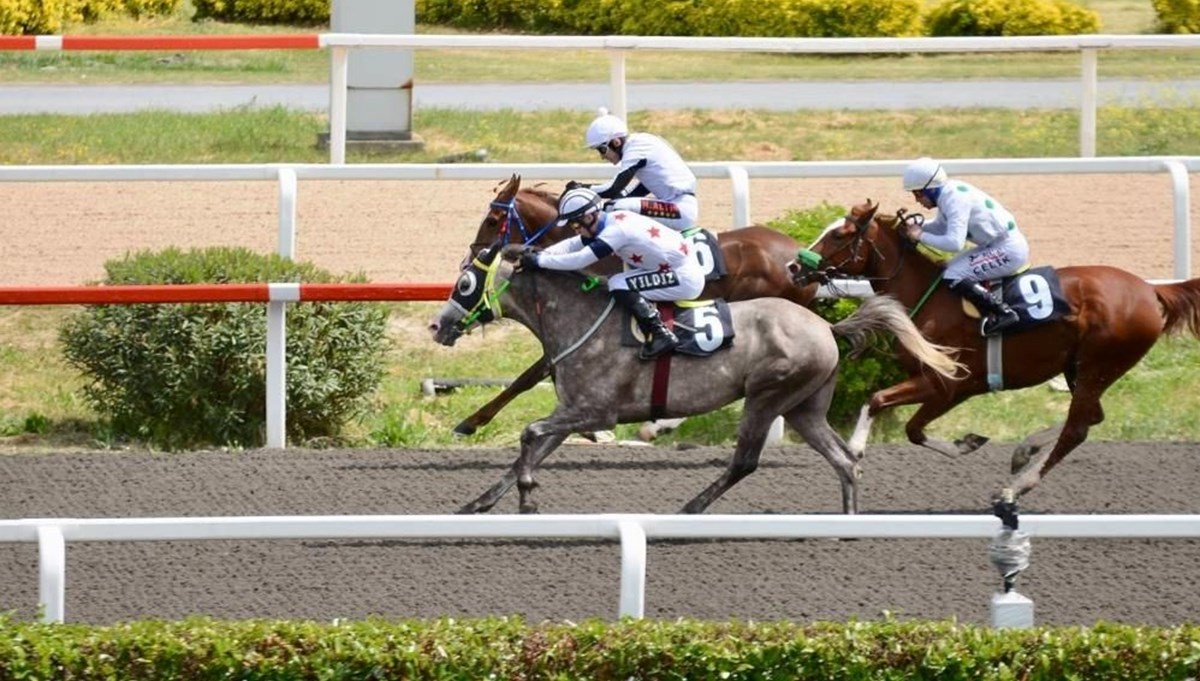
822 269
511 216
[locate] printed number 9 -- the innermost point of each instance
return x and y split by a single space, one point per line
1036 293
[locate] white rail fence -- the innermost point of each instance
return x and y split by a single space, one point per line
287 175
618 47
631 531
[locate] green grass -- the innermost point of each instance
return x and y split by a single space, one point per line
40 405
472 65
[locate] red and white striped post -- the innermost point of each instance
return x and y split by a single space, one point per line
276 295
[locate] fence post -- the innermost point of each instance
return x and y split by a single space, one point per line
1087 104
52 573
287 213
1181 194
633 569
740 181
616 84
339 61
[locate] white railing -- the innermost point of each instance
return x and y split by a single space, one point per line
738 173
619 46
632 531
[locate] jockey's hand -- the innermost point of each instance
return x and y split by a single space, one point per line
528 261
913 232
607 205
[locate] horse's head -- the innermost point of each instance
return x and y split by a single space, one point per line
517 215
858 245
475 299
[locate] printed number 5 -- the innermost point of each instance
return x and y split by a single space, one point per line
709 334
1036 292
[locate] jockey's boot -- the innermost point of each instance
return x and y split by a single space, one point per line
997 315
659 338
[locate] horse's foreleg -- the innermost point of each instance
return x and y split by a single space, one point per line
484 415
488 499
934 402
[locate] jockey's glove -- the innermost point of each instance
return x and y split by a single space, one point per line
528 262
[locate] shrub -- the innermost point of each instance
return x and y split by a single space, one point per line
179 376
1011 18
295 12
1178 16
42 17
860 377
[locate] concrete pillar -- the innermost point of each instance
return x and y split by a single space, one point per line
380 80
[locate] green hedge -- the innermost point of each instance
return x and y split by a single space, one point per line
45 17
1011 18
596 651
288 12
184 376
1178 16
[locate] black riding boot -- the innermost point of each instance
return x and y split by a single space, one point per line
997 315
659 338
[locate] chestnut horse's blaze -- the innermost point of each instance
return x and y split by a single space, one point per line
1115 317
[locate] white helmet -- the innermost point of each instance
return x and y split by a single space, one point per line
576 203
924 173
604 129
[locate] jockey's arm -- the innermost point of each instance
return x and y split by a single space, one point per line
565 246
613 188
586 256
948 231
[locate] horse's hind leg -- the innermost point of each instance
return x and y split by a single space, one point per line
1033 444
934 403
752 435
810 420
484 415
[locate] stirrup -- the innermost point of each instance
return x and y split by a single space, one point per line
990 326
657 345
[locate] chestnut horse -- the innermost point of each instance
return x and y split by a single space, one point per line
756 261
1114 318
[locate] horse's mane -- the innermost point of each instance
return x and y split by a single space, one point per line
544 194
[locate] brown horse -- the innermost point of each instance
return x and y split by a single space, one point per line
1114 318
756 260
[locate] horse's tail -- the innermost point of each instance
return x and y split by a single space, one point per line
1181 306
884 313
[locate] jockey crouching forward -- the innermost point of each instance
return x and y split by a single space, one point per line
659 263
964 212
666 186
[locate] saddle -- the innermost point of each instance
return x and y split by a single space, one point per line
702 326
1035 294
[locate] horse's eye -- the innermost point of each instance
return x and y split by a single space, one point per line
467 283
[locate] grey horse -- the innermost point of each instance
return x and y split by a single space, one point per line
783 362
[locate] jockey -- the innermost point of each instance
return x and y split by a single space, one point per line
656 166
965 213
659 264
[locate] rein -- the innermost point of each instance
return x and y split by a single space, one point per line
512 215
489 302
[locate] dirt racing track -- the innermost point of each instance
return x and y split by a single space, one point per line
1070 581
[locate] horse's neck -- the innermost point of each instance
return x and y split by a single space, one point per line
905 274
553 306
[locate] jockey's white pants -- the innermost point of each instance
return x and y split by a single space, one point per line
686 283
680 214
996 260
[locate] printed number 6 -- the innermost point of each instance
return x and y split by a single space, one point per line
1036 292
704 254
713 335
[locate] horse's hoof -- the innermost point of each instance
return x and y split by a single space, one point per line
647 432
464 429
529 508
970 442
